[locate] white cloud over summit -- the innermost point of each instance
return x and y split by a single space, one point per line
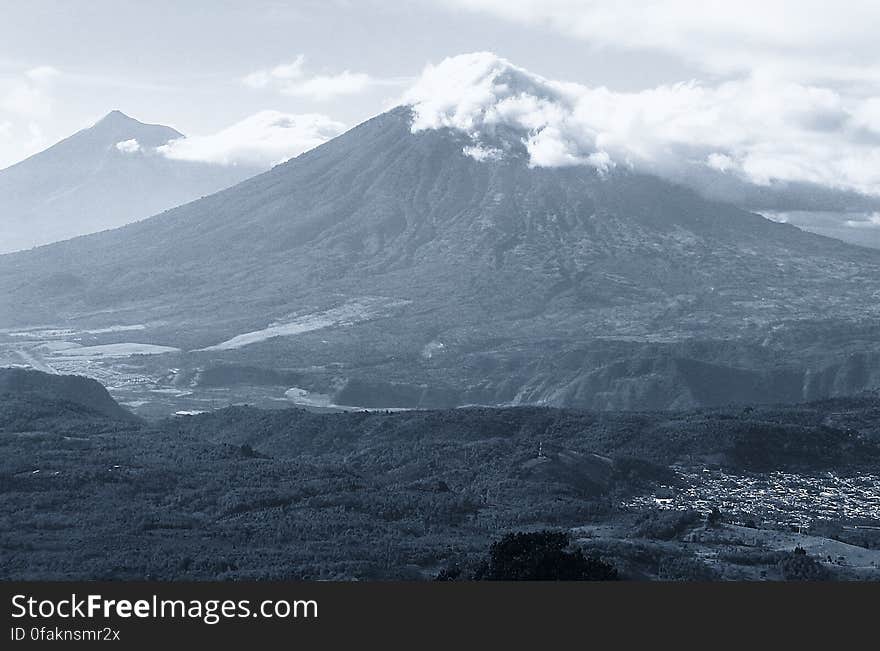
758 127
263 139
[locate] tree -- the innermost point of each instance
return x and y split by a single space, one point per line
714 517
451 573
798 566
542 556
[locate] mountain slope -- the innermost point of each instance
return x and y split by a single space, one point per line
395 256
382 210
101 177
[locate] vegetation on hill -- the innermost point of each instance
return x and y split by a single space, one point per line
248 494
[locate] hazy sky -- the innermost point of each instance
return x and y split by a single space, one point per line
771 89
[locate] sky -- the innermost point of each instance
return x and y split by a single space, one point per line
202 66
767 90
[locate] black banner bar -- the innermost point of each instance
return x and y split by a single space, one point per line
324 615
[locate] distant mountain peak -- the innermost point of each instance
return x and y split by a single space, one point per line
118 122
105 175
117 118
116 114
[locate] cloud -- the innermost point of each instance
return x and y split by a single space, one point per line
128 146
480 94
263 139
291 79
758 128
26 101
280 74
867 115
720 162
42 74
28 94
809 40
324 87
870 221
481 152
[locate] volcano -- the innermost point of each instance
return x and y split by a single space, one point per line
104 176
396 268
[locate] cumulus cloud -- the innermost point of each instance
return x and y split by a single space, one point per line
324 87
280 74
28 94
483 96
867 115
42 74
263 139
292 80
128 146
20 140
758 128
26 101
720 162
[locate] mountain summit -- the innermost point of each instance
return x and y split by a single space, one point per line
398 267
102 177
505 110
117 124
